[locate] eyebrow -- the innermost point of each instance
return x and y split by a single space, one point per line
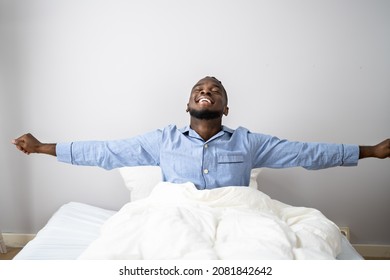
201 84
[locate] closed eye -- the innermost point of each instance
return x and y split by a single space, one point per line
197 89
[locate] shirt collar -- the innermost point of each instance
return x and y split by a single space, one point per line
187 130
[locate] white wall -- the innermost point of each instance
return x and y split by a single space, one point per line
302 70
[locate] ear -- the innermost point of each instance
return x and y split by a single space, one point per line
187 110
226 111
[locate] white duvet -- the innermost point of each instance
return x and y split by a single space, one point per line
177 221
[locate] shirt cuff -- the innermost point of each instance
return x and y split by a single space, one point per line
64 152
351 155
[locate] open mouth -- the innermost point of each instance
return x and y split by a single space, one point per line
204 100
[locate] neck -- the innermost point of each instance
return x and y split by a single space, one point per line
206 128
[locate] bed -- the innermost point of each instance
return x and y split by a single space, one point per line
81 231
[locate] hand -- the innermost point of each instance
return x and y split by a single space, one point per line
381 150
27 144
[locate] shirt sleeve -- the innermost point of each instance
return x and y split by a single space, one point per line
272 152
136 151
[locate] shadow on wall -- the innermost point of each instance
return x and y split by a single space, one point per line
15 193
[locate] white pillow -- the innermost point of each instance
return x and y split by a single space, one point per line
140 180
255 172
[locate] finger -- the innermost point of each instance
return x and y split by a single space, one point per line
18 141
20 148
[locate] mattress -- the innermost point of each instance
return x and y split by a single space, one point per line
67 234
75 225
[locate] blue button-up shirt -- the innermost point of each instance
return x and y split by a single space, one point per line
226 159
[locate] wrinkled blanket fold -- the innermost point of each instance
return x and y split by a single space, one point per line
177 221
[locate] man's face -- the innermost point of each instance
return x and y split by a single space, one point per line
208 100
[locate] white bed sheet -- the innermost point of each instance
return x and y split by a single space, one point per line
75 225
67 234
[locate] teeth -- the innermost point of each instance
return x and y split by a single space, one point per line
204 99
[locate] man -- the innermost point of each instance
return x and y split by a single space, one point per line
205 153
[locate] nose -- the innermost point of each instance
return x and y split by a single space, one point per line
205 92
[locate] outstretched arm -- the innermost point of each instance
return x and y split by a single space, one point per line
381 150
28 144
135 151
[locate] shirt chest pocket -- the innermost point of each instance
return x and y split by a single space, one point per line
230 158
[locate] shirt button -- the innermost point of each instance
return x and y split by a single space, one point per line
206 146
206 171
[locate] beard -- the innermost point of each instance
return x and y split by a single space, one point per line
205 114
